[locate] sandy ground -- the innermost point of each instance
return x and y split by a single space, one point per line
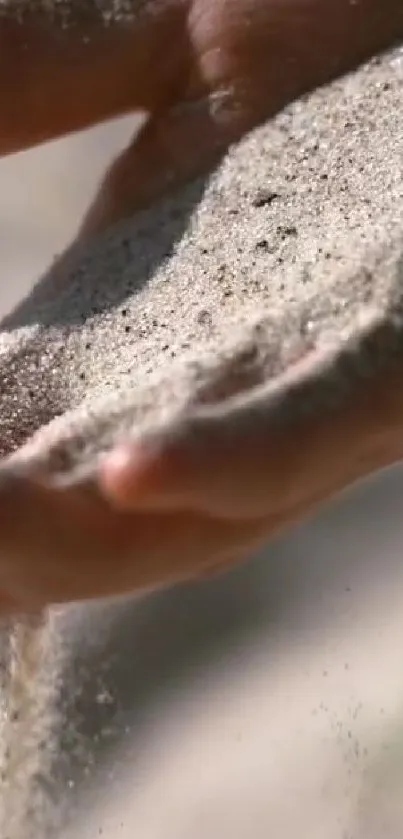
267 703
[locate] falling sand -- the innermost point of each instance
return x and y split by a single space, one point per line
28 719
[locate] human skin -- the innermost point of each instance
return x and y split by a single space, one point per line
206 71
190 505
186 506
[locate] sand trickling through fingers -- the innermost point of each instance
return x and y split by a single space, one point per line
29 688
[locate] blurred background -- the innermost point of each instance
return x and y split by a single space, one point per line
267 703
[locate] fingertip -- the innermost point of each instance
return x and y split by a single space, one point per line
131 476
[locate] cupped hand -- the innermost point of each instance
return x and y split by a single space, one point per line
188 502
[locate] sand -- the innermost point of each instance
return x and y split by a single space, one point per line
294 243
67 13
27 728
284 248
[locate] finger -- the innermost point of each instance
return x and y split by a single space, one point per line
52 79
248 463
224 461
61 74
174 146
207 470
72 546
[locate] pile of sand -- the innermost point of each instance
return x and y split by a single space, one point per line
294 243
202 303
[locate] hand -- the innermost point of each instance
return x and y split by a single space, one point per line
235 63
189 503
183 506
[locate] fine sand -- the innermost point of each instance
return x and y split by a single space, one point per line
296 242
268 703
